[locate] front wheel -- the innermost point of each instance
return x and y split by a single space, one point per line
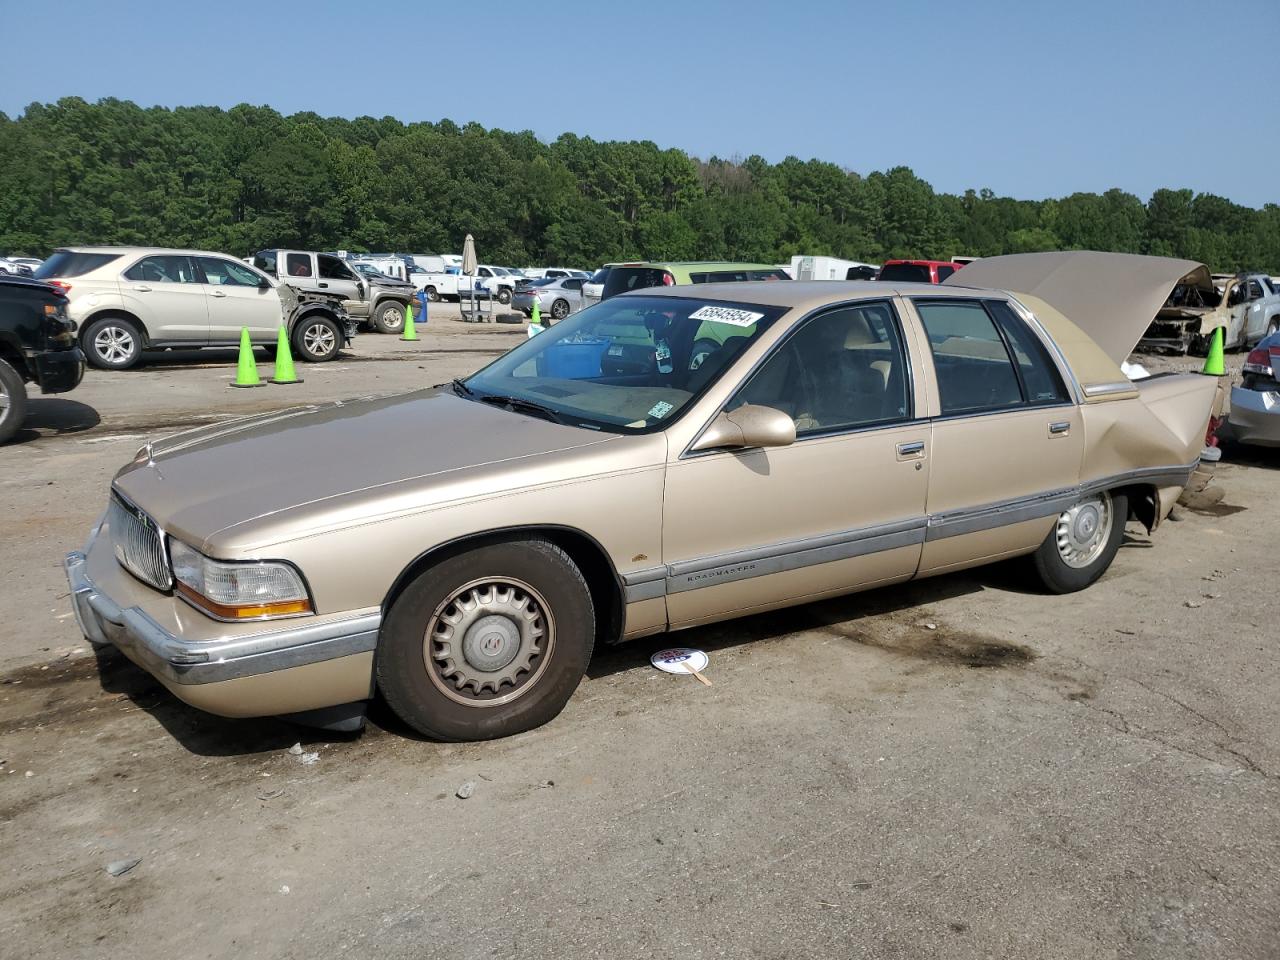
504 295
389 317
489 643
432 294
1082 543
316 339
13 401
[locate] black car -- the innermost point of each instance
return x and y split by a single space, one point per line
37 344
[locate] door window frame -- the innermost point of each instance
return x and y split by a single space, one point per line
1068 384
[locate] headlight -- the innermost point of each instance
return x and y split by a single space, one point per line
238 590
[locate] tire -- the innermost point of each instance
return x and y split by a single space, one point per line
433 295
112 343
701 350
504 295
560 309
13 401
316 338
1071 557
536 662
389 317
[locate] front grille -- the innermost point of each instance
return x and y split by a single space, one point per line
138 544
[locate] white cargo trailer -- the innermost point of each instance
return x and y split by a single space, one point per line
829 268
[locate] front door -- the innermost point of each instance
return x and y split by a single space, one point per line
841 508
337 277
238 300
167 295
1007 441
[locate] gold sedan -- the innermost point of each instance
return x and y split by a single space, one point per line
666 458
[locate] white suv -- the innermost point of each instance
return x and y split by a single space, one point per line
127 299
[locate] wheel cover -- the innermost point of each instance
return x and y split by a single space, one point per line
317 339
113 344
1083 531
392 316
4 401
489 642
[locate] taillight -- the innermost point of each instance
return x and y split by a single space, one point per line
1259 361
60 285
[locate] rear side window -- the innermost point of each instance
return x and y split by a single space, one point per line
298 264
622 279
1041 382
767 275
972 363
68 263
163 268
265 260
226 273
905 273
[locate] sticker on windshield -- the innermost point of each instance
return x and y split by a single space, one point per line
730 315
660 409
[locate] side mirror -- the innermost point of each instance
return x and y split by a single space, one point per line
264 283
748 426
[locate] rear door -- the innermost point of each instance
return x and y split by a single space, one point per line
237 299
167 294
336 277
1007 436
298 269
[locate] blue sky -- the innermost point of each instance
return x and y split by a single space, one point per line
1031 99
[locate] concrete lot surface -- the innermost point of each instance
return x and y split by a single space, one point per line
958 768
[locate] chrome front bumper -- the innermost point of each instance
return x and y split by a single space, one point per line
178 660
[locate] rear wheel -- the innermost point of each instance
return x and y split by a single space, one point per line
560 309
1082 543
504 295
432 294
489 643
316 339
389 317
13 401
112 343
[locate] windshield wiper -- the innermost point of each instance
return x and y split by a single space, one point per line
520 405
460 388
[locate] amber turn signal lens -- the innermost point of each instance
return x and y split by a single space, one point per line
284 608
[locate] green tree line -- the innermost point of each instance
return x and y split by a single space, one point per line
247 178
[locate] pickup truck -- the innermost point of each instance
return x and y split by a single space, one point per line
493 281
1246 306
367 301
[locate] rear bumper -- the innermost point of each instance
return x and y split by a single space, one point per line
1255 417
58 371
302 665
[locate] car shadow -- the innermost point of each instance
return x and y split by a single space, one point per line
55 417
1247 455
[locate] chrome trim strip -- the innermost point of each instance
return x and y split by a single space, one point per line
1060 427
1000 514
183 661
1107 389
649 590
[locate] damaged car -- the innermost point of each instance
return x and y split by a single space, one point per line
1246 306
1255 401
601 482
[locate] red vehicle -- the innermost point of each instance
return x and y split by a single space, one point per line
918 271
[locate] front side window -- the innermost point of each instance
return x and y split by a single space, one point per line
221 272
625 365
1255 290
970 359
842 370
298 264
331 268
165 268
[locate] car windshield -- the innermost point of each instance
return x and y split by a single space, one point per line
628 365
600 276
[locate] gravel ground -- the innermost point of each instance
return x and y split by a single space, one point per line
960 767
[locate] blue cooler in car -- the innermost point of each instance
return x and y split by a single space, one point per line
573 359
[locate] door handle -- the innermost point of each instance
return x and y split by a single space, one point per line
142 288
218 293
323 286
912 448
1059 428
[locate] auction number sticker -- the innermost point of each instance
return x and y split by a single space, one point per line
660 409
730 315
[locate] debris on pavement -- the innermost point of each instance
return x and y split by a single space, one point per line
296 750
682 660
1193 604
270 794
309 758
543 784
118 868
465 791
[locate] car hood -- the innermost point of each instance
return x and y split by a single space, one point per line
1113 297
325 459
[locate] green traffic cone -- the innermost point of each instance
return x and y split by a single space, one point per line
284 361
1213 362
409 332
246 366
537 314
